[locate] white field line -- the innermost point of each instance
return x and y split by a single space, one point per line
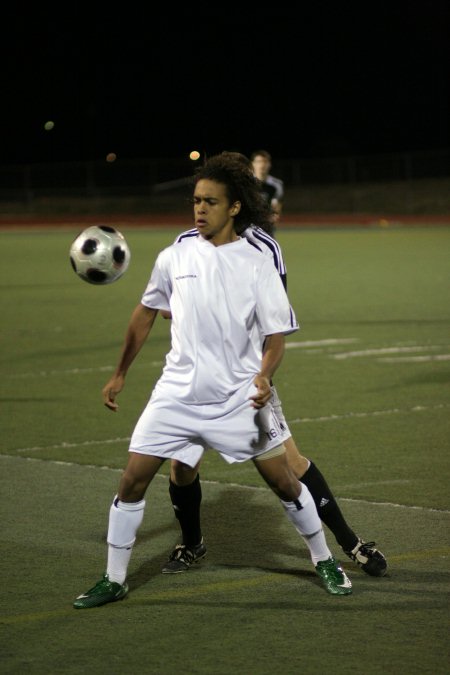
254 488
64 444
298 420
321 343
157 364
347 486
385 350
82 371
307 344
372 413
393 504
415 359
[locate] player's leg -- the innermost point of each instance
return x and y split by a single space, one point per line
326 504
370 559
127 512
301 510
186 495
125 517
238 434
363 553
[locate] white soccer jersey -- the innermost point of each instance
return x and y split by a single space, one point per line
259 239
224 300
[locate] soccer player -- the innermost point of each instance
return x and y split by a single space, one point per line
215 387
272 188
185 488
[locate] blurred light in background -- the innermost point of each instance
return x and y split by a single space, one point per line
111 157
194 155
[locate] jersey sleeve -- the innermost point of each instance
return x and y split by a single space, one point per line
258 238
275 314
159 288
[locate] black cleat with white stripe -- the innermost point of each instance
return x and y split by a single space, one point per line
370 559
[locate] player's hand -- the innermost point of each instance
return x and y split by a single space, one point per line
263 394
110 391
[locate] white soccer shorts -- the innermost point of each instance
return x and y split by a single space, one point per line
175 430
276 403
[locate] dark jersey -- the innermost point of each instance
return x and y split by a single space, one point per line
268 190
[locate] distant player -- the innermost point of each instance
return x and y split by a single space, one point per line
271 187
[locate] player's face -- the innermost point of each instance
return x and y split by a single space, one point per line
213 213
261 167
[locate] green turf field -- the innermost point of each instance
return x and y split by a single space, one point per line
365 388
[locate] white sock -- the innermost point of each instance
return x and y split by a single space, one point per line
124 521
118 559
308 524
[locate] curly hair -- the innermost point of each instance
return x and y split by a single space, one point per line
234 170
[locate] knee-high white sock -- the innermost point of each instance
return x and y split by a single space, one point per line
303 514
124 521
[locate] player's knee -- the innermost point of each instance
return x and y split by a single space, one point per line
182 474
277 473
287 487
132 487
298 464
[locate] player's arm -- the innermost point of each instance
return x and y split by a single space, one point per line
140 324
272 357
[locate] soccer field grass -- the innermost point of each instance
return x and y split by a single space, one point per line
365 388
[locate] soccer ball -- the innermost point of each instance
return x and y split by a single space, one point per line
100 255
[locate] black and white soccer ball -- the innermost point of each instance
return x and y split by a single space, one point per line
100 255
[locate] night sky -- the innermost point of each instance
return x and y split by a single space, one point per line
318 80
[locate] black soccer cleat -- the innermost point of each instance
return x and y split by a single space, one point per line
370 559
182 557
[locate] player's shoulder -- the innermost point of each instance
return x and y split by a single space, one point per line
254 257
278 186
186 236
268 246
260 239
173 251
276 182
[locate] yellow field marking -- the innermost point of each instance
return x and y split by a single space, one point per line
215 587
420 555
218 587
36 616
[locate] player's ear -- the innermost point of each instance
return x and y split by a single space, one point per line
236 207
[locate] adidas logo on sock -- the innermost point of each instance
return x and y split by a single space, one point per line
323 502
